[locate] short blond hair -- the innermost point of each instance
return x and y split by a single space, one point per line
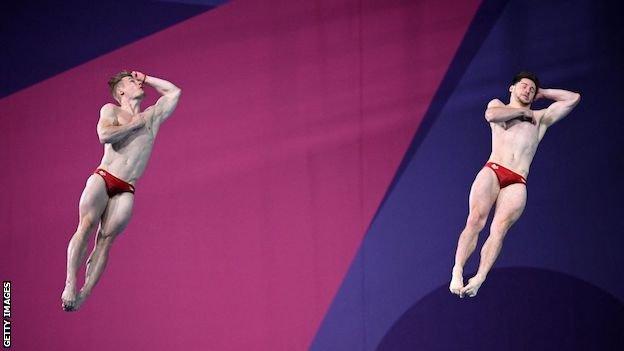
114 80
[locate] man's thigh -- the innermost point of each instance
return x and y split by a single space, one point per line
484 191
117 214
510 204
93 200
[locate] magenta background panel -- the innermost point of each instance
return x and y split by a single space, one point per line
293 119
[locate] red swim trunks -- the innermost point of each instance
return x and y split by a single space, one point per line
505 176
114 185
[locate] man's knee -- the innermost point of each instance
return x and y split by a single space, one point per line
86 225
105 238
501 226
476 220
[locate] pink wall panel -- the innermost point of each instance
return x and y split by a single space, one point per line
293 119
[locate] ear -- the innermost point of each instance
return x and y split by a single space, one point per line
511 88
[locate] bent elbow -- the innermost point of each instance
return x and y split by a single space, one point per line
174 92
573 100
103 139
489 116
577 98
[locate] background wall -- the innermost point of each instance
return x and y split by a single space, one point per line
309 190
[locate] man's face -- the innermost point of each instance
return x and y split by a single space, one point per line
131 88
524 91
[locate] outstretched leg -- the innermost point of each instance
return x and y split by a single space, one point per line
509 207
483 193
114 221
92 204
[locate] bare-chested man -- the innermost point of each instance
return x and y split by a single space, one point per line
516 132
106 202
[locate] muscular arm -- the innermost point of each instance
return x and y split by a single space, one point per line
497 112
109 131
170 95
565 101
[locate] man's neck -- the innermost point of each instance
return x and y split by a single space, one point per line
517 104
131 106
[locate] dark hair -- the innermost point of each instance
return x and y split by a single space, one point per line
112 83
527 75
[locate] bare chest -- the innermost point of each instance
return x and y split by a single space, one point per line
516 134
518 128
138 139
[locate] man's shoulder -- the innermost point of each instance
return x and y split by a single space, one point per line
496 103
108 112
108 109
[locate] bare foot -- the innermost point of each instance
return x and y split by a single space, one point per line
80 299
472 287
72 301
457 281
69 298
